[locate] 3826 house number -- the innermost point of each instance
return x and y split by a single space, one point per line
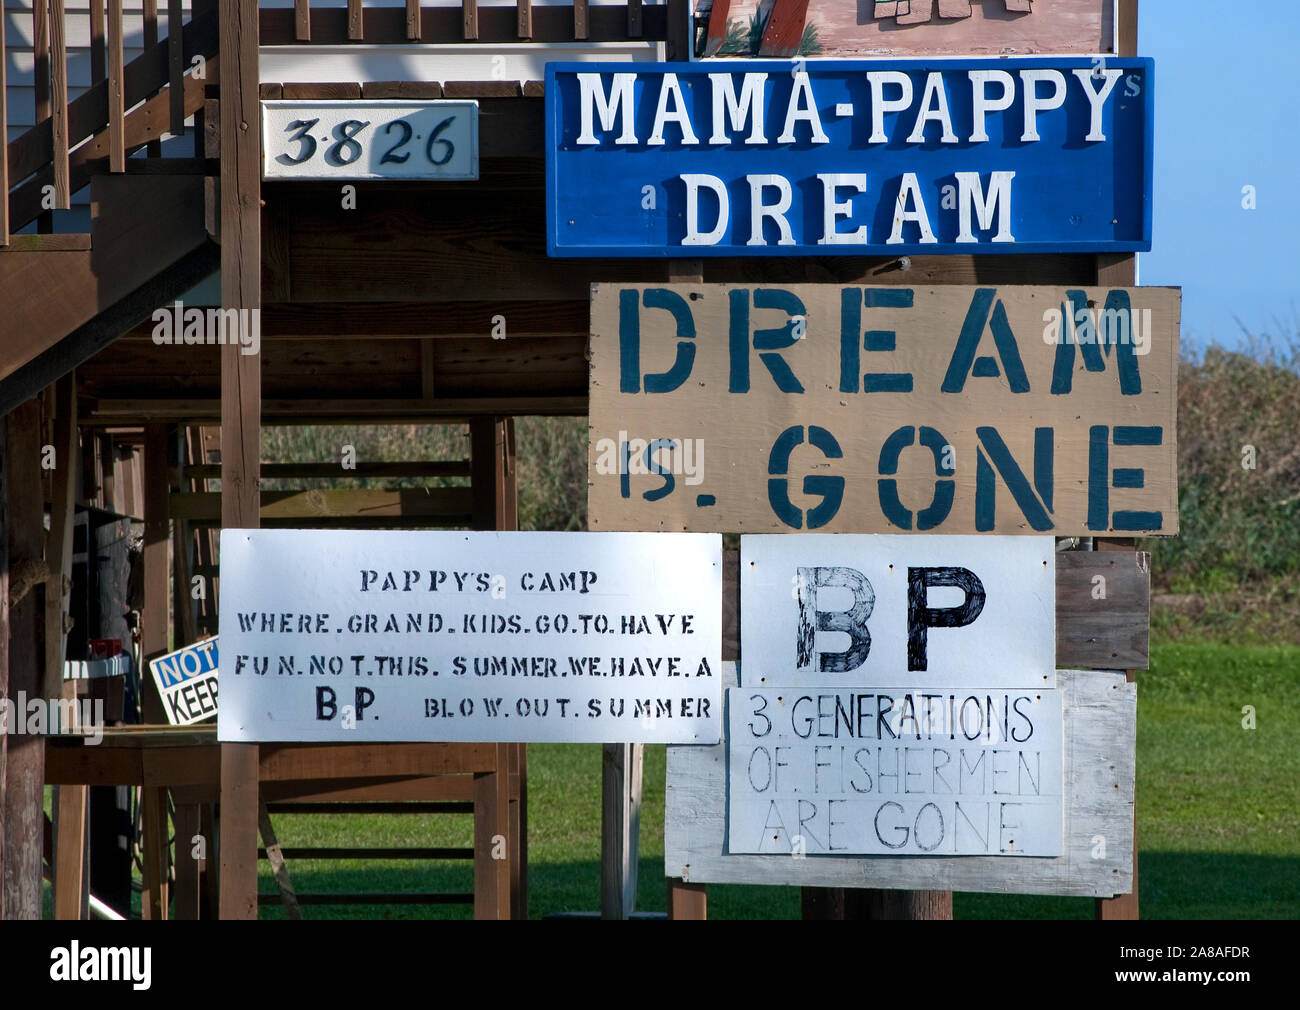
369 140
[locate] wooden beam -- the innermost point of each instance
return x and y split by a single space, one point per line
4 608
155 616
287 411
580 21
4 189
153 899
413 20
176 67
491 829
58 547
524 11
22 817
279 869
687 901
333 503
150 8
116 107
98 69
70 852
241 396
362 470
59 103
620 826
356 31
469 11
680 33
302 20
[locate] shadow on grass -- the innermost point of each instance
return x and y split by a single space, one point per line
1174 885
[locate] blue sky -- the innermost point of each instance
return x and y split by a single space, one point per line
1227 116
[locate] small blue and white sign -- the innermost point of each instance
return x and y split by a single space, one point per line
859 158
187 682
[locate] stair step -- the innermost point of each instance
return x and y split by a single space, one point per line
47 243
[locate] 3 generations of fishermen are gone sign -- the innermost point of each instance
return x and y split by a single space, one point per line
945 771
345 635
849 158
949 409
898 697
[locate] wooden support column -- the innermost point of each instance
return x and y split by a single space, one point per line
58 549
155 619
1121 271
495 506
491 825
4 609
22 815
241 400
685 901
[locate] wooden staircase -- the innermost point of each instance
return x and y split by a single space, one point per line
67 296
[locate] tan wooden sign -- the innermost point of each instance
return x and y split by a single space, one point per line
951 409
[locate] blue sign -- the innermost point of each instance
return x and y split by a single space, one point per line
817 158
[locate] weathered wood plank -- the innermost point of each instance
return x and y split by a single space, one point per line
241 399
4 204
1103 609
175 68
784 29
413 20
302 20
1100 724
70 852
356 32
59 104
620 827
469 10
333 503
22 813
116 107
687 901
524 10
58 547
156 615
580 21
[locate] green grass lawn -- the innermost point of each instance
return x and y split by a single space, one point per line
1218 813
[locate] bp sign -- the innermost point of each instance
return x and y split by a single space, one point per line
1023 155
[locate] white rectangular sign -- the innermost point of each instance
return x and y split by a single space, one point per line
848 610
378 139
187 682
343 635
934 771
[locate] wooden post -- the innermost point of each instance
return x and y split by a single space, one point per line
687 901
1121 271
155 619
58 552
4 599
22 816
620 826
241 401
